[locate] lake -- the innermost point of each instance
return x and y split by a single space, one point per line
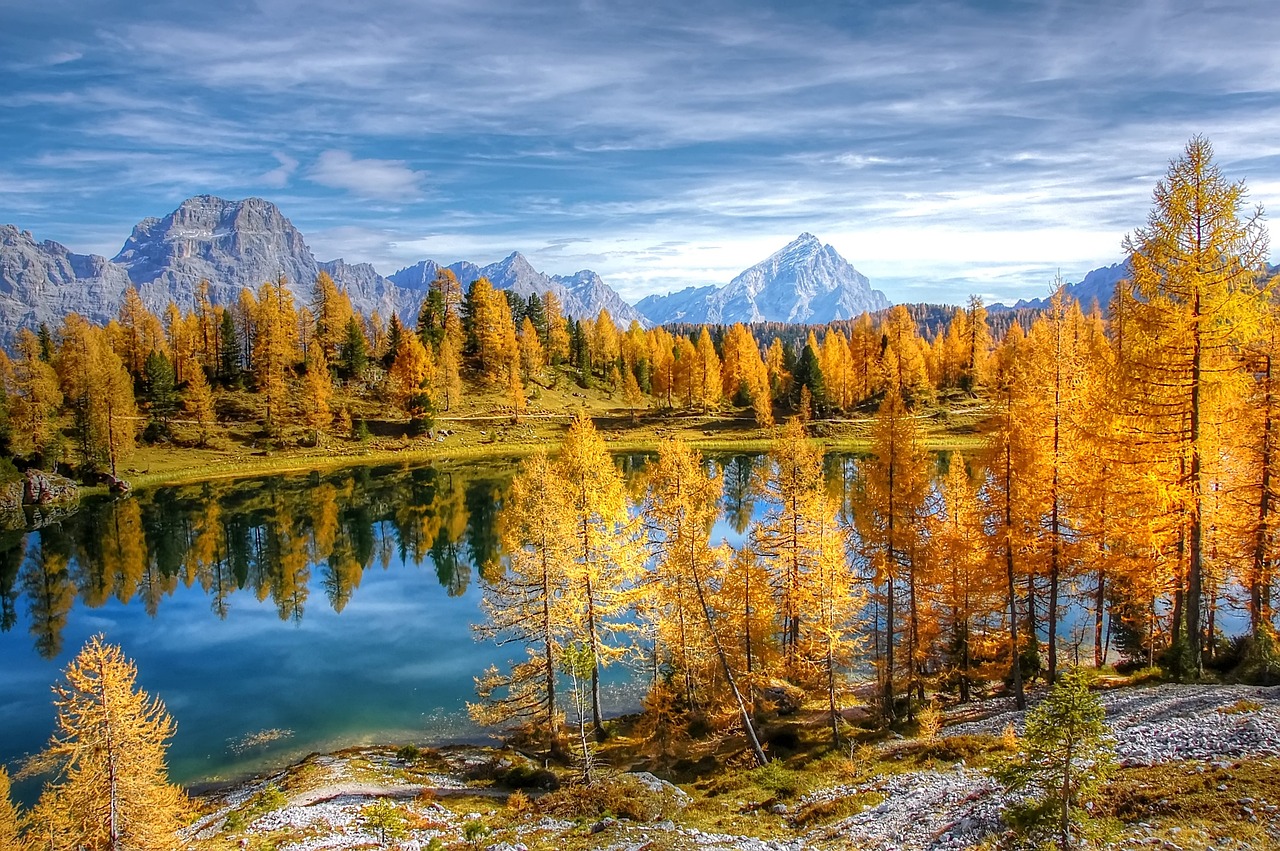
290 614
277 616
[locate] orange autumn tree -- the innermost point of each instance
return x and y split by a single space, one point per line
112 791
605 554
1192 303
682 502
530 601
893 485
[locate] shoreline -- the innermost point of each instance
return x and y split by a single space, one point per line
1190 756
243 466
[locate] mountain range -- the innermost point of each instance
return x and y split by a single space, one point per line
233 245
1097 287
238 244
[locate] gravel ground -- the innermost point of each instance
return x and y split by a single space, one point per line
922 811
1175 722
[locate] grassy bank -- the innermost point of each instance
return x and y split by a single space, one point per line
239 453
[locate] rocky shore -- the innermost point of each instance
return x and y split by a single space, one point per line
36 499
1205 730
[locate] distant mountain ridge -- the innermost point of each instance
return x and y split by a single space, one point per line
805 281
1097 286
233 245
583 294
44 281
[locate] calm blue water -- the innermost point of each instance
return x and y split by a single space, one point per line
335 608
320 610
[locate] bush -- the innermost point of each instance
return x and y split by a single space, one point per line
778 779
618 795
1259 660
360 430
523 776
385 819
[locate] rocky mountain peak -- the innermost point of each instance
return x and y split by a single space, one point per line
804 281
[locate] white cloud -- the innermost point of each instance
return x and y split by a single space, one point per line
278 177
385 180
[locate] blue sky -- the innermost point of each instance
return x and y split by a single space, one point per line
944 148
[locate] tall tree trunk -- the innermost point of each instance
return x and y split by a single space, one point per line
1019 694
748 727
548 641
887 688
597 717
1099 606
1259 581
1195 579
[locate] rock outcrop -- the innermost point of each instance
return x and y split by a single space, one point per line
37 499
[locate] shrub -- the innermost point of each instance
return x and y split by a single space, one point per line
1065 758
929 721
1259 660
518 803
618 795
778 779
474 832
385 819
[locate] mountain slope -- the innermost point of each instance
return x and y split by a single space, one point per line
1098 286
44 281
806 281
239 244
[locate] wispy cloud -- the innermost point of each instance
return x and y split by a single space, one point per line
390 180
279 176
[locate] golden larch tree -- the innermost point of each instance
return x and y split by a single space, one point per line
332 310
530 601
557 342
893 485
100 392
1014 499
9 836
34 398
409 371
706 372
681 504
788 535
112 791
968 588
1195 302
317 391
197 399
606 554
532 355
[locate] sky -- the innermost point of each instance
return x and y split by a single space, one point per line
944 148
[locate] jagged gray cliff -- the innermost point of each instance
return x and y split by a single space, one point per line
1096 287
44 281
238 244
804 282
233 245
